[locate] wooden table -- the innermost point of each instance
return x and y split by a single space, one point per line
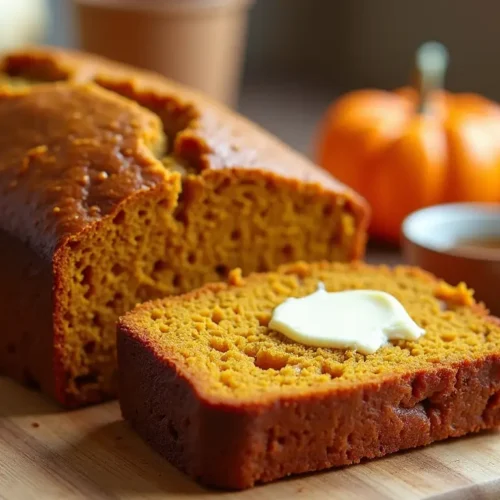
92 454
46 453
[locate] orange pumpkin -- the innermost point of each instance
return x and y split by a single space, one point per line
408 149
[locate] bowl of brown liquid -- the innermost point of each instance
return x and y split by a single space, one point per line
458 242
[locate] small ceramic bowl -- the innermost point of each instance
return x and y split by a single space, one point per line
458 242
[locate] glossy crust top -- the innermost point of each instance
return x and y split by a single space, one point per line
70 151
69 154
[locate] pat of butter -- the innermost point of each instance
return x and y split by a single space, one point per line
363 320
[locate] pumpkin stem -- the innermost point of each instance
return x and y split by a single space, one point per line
431 64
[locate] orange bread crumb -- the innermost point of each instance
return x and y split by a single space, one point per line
118 186
213 347
459 295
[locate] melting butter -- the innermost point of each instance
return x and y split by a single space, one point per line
363 320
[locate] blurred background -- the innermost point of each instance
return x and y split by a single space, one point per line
301 54
286 64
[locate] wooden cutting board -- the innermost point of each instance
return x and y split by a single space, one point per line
91 453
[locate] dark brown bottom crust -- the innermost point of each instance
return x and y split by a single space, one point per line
26 339
236 448
27 344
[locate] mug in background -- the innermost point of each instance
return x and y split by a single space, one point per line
197 42
23 22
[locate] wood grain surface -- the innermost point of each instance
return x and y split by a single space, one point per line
46 453
91 453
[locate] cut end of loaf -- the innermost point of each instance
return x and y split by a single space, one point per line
148 190
156 246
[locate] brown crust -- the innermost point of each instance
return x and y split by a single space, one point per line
27 341
232 444
228 446
209 135
96 151
201 133
54 184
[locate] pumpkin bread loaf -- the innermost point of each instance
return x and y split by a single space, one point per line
118 186
231 402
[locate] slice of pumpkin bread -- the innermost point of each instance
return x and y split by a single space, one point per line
231 402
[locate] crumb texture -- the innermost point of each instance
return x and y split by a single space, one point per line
252 406
129 187
220 336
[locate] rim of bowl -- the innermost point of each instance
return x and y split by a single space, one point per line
172 6
438 227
